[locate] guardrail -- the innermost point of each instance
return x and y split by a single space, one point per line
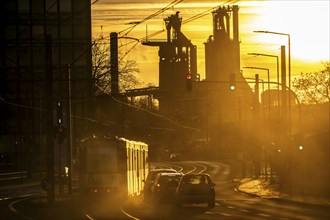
12 177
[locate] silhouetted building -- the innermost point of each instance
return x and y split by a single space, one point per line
25 65
222 104
177 60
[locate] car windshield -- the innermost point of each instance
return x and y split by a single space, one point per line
195 180
169 180
152 174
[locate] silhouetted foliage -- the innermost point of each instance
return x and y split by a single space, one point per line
313 88
128 69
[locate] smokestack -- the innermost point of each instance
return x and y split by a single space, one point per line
235 24
236 43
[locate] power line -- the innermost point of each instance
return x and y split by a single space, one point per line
155 114
204 13
129 29
44 110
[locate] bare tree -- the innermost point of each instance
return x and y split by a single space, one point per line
128 69
313 88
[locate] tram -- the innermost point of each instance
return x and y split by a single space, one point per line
112 167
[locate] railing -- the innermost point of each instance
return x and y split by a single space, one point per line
12 177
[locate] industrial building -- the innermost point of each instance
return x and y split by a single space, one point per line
219 105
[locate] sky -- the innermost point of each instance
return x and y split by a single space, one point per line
307 23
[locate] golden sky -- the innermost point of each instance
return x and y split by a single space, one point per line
307 22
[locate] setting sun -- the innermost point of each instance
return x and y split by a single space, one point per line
306 22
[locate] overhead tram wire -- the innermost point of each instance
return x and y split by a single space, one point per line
143 38
94 2
172 4
137 42
204 13
184 22
129 29
157 115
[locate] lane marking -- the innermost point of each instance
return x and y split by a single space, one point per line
218 213
243 210
12 209
250 202
89 217
230 207
128 215
226 214
264 215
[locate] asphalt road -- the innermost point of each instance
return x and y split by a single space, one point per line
28 203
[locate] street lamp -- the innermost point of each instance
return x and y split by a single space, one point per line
259 68
289 49
289 54
277 71
269 55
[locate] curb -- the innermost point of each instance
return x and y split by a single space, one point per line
288 199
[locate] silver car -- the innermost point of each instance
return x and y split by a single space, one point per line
151 179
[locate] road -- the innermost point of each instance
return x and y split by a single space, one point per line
230 204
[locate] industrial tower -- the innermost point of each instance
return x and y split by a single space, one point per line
177 59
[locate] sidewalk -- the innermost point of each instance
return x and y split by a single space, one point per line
262 188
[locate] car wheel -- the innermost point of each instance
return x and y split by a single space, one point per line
211 204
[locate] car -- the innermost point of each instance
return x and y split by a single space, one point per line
195 189
164 187
151 178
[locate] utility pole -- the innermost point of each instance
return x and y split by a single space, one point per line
50 127
256 100
119 127
285 140
114 63
69 130
256 123
284 95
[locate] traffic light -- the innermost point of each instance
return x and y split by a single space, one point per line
59 111
60 129
189 82
60 134
298 141
232 82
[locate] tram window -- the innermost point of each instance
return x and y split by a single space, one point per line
144 159
101 159
138 163
132 160
122 159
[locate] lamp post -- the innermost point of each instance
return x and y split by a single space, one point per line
289 67
277 71
269 55
289 50
259 68
268 78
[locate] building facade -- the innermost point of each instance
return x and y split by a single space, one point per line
42 41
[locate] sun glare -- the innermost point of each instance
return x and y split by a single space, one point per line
306 22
